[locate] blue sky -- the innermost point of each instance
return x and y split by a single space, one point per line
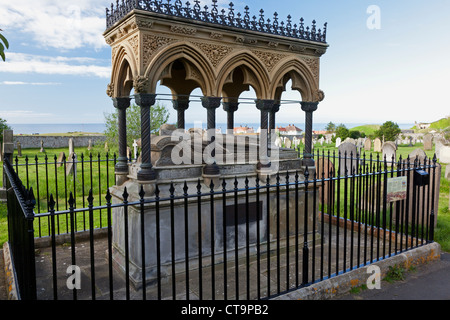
58 64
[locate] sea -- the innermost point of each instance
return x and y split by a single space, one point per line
100 127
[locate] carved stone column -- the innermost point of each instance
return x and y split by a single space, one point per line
147 173
230 108
272 115
265 106
309 108
181 106
211 104
121 168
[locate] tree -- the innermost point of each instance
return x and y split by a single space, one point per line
331 127
3 45
3 126
389 130
342 132
158 113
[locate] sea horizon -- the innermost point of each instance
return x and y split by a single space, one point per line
42 128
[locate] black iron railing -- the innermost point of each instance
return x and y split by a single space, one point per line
20 204
245 239
225 18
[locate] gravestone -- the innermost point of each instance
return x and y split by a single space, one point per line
135 146
347 158
447 172
389 150
288 143
325 170
71 164
377 145
278 142
106 147
439 144
60 159
90 145
71 146
322 140
338 142
8 144
428 142
351 140
19 149
418 154
445 155
42 146
368 144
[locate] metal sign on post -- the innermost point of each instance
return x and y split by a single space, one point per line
396 189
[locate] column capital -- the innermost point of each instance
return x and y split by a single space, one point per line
121 103
309 106
145 99
230 106
276 107
181 105
211 102
265 105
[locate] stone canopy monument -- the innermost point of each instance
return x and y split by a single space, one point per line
223 53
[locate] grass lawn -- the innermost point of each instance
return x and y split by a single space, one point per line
442 231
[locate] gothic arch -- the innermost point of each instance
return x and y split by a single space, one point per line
303 80
197 66
124 70
254 73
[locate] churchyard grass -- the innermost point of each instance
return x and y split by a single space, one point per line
442 231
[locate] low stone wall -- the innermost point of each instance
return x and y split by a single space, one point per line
28 142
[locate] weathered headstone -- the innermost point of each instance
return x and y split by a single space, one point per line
71 146
90 145
368 144
347 158
377 145
389 150
325 170
447 172
418 154
42 146
439 144
8 144
19 149
106 146
338 142
445 155
428 142
60 159
71 164
288 143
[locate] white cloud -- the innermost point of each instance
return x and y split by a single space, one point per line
21 83
57 24
28 63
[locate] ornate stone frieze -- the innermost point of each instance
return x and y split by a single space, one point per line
269 59
134 43
215 53
183 30
216 36
313 64
144 24
244 40
151 43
